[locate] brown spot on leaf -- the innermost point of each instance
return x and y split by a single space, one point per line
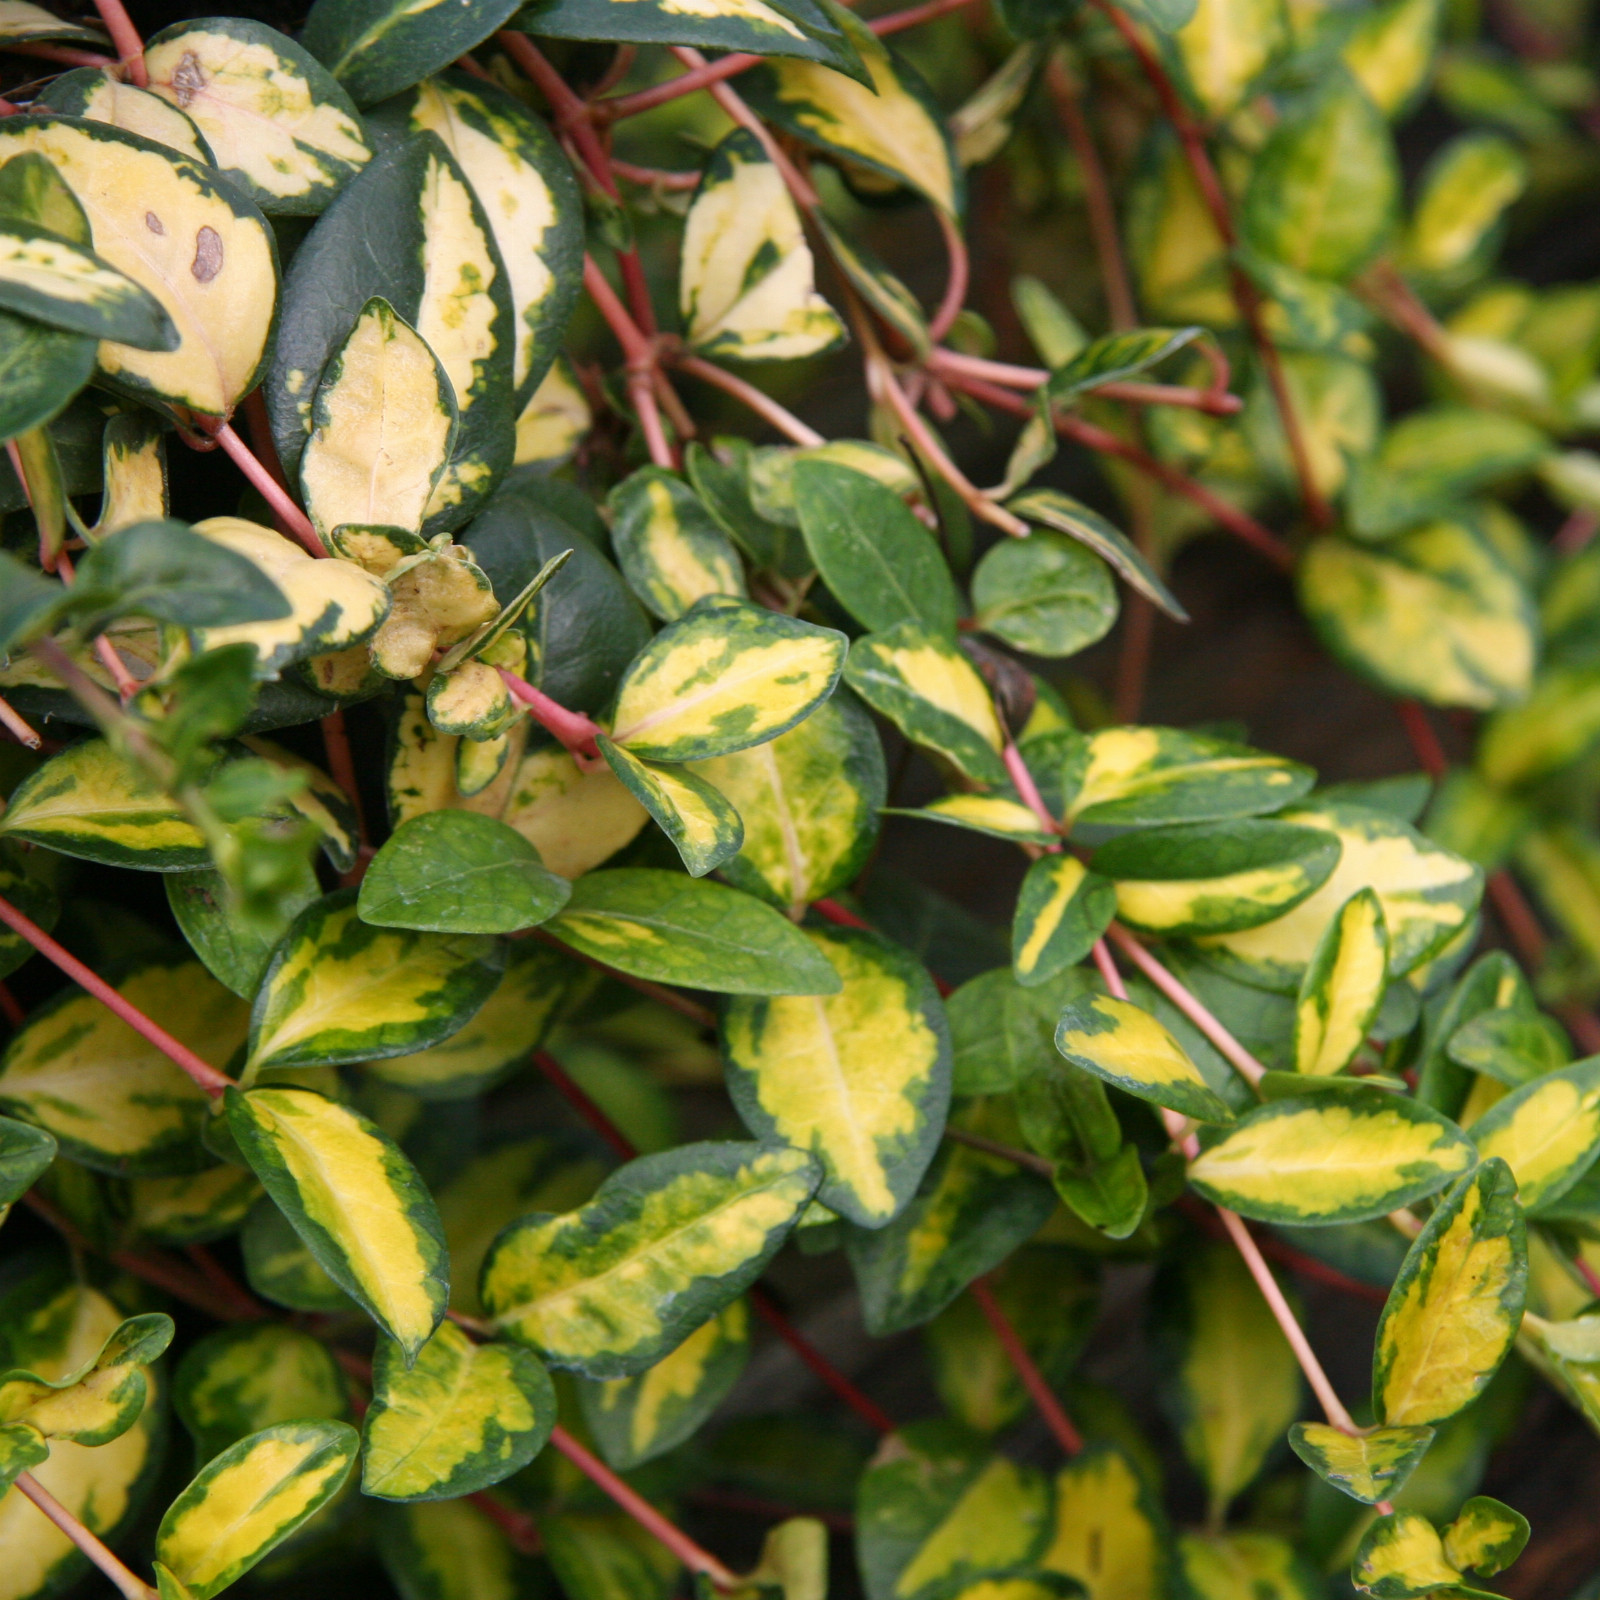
188 80
153 222
207 261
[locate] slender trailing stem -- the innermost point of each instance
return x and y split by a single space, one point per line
913 16
639 352
1424 740
763 405
1055 1417
342 767
957 279
127 685
616 107
581 1102
574 730
270 490
1006 1152
64 55
125 40
1184 999
131 1585
1107 966
1017 771
202 1072
655 177
642 1512
1215 400
11 1007
17 726
840 915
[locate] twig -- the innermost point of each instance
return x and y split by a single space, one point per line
655 177
1424 741
17 727
203 1073
959 274
616 107
1006 1152
127 686
1022 779
270 490
1215 400
125 40
342 768
763 405
642 1512
639 354
572 729
913 16
582 1102
11 1007
127 1581
842 915
1056 1419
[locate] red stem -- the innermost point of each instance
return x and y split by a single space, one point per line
616 107
1017 771
1056 1419
1424 741
579 1099
574 730
126 41
64 55
836 913
960 273
11 1007
127 1581
276 496
913 16
642 1512
342 766
17 727
763 405
202 1072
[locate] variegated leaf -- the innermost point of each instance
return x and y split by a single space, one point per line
194 1208
375 48
1062 909
1107 1533
1402 1556
1486 1536
1369 1466
100 96
669 546
1126 1046
1343 988
100 1400
133 470
699 819
1547 1132
63 285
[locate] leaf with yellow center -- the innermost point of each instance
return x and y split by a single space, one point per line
1369 1466
1546 1132
1343 988
1117 1041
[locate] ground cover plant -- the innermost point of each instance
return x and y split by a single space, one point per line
495 552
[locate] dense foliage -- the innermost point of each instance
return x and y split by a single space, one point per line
510 721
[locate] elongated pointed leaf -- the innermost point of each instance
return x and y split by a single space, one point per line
669 547
1546 1132
250 1499
1456 1305
462 1417
1343 988
66 286
456 872
1062 909
668 928
25 1152
665 1244
342 990
355 1201
698 818
724 677
991 814
1368 1467
1325 1160
1116 357
1127 1047
860 1078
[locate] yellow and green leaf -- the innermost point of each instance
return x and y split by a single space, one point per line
460 1417
100 1400
1106 1532
1246 1566
1402 1556
64 285
1486 1536
192 1209
746 285
341 990
112 1100
1368 1466
665 1244
133 469
996 815
861 1077
725 676
699 819
1126 1046
668 545
1342 990
1390 51
1546 1132
633 1420
355 1201
1332 1159
250 1499
1062 909
97 94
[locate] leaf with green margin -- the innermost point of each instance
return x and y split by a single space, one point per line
41 369
1369 1466
21 1449
1215 877
461 1417
99 1400
112 1100
672 929
1391 51
727 675
193 1209
90 802
891 133
606 1556
1225 48
452 1550
860 1078
938 1510
1214 1566
1232 1382
376 48
1126 1046
1324 1159
250 1499
457 872
235 1381
1429 895
1325 187
530 200
884 293
340 990
1047 594
1116 357
809 800
99 95
25 23
505 1030
1547 1132
746 283
213 267
670 548
1434 614
666 1243
699 819
722 480
1456 1304
968 1215
992 814
1486 1536
793 1565
67 286
634 1420
1108 1530
876 558
1143 777
279 1267
235 952
275 121
923 684
1343 987
25 1152
1467 187
1401 1557
356 1202
1062 909
438 237
1509 1046
383 427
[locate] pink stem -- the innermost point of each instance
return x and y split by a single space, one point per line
763 405
655 177
270 490
125 39
912 16
1056 1419
1106 962
955 289
1017 770
64 55
574 730
131 1585
17 727
642 1512
619 106
202 1072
